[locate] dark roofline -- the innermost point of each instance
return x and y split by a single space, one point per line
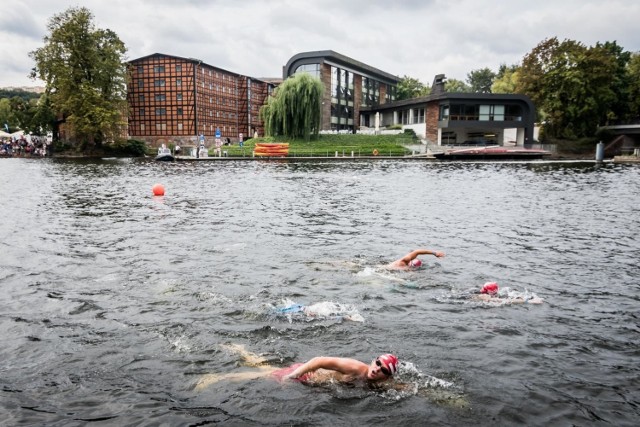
335 57
193 60
493 97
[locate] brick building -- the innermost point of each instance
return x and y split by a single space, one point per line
175 99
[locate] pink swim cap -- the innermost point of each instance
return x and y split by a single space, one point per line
490 288
415 262
390 362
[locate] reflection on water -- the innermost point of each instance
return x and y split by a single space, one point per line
116 302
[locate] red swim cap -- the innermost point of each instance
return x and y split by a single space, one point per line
490 288
390 362
415 262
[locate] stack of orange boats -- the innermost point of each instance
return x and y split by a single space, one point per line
264 149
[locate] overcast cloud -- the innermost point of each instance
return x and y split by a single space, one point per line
417 38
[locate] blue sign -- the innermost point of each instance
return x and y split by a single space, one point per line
201 137
218 134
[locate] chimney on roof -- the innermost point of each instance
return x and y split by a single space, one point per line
438 84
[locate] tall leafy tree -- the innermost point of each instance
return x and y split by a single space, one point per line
506 79
85 74
633 73
480 80
620 82
457 86
572 83
294 109
7 116
409 87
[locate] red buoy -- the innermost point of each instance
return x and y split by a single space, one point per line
158 190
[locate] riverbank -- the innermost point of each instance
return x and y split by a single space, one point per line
403 146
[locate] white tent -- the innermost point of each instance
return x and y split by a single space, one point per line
4 134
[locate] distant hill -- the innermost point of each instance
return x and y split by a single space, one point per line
35 89
25 93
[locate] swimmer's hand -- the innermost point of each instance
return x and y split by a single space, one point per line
289 377
438 254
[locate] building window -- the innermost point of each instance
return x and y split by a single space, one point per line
444 112
140 69
141 98
178 96
179 111
179 126
161 126
178 68
391 93
178 82
161 97
491 113
158 69
141 111
142 127
312 69
513 113
159 83
161 111
140 83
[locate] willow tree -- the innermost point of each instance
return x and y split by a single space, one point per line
85 74
294 109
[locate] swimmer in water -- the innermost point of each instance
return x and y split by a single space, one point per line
489 293
411 259
325 371
317 371
321 310
320 370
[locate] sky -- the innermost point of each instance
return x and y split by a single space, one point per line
415 38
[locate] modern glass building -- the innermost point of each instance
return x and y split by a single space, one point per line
358 96
349 86
445 118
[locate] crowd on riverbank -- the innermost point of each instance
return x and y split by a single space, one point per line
25 147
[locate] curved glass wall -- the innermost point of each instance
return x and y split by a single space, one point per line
313 69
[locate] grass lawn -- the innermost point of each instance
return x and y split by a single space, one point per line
327 145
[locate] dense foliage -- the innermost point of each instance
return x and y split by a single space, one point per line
480 80
574 85
30 115
85 75
408 88
294 110
20 93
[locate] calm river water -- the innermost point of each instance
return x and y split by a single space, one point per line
115 303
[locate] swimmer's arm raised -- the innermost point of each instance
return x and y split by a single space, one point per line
413 254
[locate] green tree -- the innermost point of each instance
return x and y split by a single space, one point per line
294 109
633 73
409 88
85 75
26 95
42 118
456 86
620 83
572 83
506 79
6 115
480 80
